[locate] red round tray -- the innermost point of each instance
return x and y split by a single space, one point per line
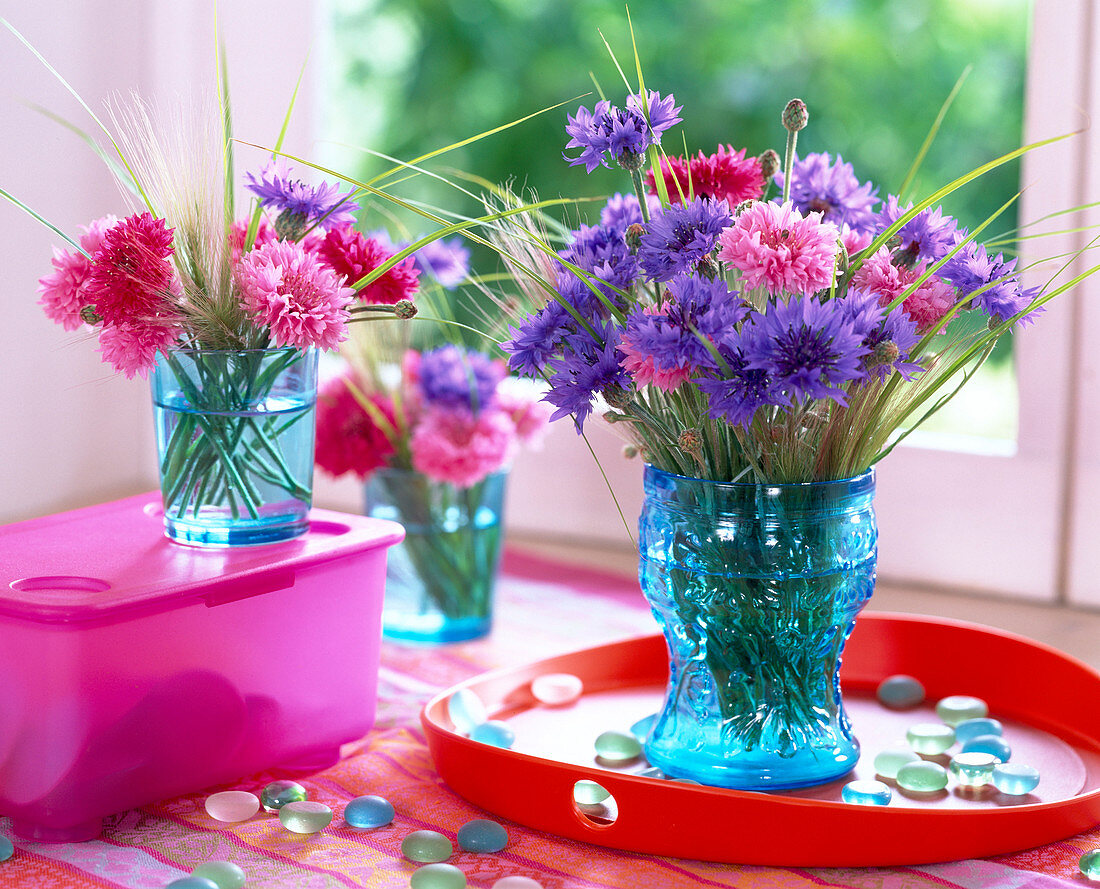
1049 702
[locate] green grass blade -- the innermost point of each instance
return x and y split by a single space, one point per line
615 61
227 131
933 132
45 222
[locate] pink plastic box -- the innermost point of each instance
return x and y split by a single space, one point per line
135 669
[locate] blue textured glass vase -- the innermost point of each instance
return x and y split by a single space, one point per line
756 588
235 433
440 579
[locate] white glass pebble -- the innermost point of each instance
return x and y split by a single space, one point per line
557 689
1015 779
223 874
494 733
232 805
466 710
866 793
517 882
957 708
900 692
972 768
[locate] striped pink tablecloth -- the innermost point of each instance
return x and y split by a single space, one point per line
544 609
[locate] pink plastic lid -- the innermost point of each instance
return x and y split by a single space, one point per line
105 562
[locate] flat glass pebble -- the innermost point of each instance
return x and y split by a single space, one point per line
1015 779
973 769
482 835
900 692
305 816
866 793
618 746
651 772
232 805
278 793
922 777
589 793
1090 864
192 883
467 710
972 728
426 846
643 727
958 708
516 882
557 689
992 744
7 848
368 811
494 733
437 876
887 762
223 874
930 738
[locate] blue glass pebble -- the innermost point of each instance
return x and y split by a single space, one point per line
223 874
467 710
192 883
1015 779
368 811
643 727
972 728
900 692
7 849
866 793
994 744
497 734
482 835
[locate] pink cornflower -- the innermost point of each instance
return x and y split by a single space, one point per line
352 255
779 249
63 289
726 175
642 370
854 241
349 439
520 400
925 306
453 445
132 348
132 281
265 234
302 301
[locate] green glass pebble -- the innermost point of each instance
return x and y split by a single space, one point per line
467 710
437 876
887 762
930 738
972 728
7 848
368 811
900 692
618 746
427 846
922 777
589 793
278 793
494 733
192 883
482 835
994 745
1090 864
1015 779
305 816
958 708
223 874
973 769
643 727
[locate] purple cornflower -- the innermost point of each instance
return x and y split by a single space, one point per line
602 253
679 237
622 210
300 205
820 186
927 237
446 261
587 369
889 338
810 349
537 339
622 133
972 269
739 391
451 377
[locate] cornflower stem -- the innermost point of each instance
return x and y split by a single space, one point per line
788 164
639 191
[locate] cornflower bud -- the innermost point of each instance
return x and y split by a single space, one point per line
88 315
742 207
707 267
630 451
690 442
632 161
795 116
769 164
883 354
290 225
617 397
633 236
404 309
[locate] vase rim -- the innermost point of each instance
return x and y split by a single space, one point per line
269 350
865 477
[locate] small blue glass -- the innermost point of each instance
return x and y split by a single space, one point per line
368 812
994 744
440 579
235 433
973 728
756 588
1014 779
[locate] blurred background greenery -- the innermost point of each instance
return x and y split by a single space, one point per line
408 76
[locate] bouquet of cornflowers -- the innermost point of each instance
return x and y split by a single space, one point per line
742 319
